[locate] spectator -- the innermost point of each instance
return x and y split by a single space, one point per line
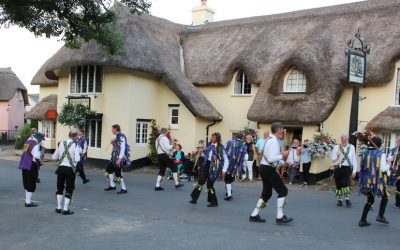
293 160
251 151
306 162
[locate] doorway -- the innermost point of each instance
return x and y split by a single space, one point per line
292 133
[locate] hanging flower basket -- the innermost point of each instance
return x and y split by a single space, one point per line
321 145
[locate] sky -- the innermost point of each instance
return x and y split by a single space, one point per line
25 53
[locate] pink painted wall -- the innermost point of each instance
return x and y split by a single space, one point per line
3 115
15 114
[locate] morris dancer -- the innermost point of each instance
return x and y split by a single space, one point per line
394 160
29 164
216 159
272 158
164 148
119 159
67 154
237 154
373 179
344 160
83 143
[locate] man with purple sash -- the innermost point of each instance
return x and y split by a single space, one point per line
237 154
374 172
29 164
83 144
216 158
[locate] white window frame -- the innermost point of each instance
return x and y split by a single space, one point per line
242 84
285 90
80 92
49 129
387 141
88 132
142 137
171 125
397 88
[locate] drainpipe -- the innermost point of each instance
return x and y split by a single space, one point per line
207 129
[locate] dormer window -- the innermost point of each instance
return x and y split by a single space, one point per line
242 85
86 79
295 82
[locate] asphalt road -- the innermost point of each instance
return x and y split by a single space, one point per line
145 219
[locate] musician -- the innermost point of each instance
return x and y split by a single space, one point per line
394 161
164 146
345 162
373 179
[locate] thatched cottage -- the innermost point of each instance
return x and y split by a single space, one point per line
228 75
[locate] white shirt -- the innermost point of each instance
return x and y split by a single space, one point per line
226 160
122 151
37 155
163 145
351 156
74 152
272 152
384 166
293 156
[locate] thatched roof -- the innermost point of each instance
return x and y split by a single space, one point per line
9 84
387 120
264 47
38 112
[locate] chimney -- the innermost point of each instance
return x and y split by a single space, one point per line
202 14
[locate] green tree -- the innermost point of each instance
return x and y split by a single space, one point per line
23 135
74 115
73 20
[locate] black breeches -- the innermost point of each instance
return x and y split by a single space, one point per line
271 180
79 167
112 168
203 178
65 179
306 171
342 176
228 179
29 178
397 193
165 162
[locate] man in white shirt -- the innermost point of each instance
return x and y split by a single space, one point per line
272 157
345 162
68 154
164 148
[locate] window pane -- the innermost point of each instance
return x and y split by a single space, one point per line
93 133
87 131
91 78
78 79
238 88
175 112
84 79
72 85
397 101
99 126
99 78
174 120
296 82
247 88
138 132
144 133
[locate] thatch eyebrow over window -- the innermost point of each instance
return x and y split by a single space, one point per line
242 85
295 82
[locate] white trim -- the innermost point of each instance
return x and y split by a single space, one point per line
297 81
87 80
173 126
239 95
235 76
396 81
141 133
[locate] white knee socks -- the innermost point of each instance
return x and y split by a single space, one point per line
59 201
279 205
159 178
66 203
175 175
256 210
229 189
123 183
28 197
111 178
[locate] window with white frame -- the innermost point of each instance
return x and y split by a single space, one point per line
386 138
142 132
49 129
295 82
174 116
397 99
93 132
242 85
86 79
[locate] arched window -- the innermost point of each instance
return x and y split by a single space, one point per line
295 82
242 85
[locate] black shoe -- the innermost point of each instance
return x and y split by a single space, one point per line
158 189
348 203
228 198
363 223
212 205
68 212
38 180
58 211
110 188
193 202
339 203
179 185
284 220
86 181
256 218
382 219
31 204
123 191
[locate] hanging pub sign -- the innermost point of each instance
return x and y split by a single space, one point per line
51 115
356 68
84 100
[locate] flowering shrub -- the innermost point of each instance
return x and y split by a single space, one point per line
321 145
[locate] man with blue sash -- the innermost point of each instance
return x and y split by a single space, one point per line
237 154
